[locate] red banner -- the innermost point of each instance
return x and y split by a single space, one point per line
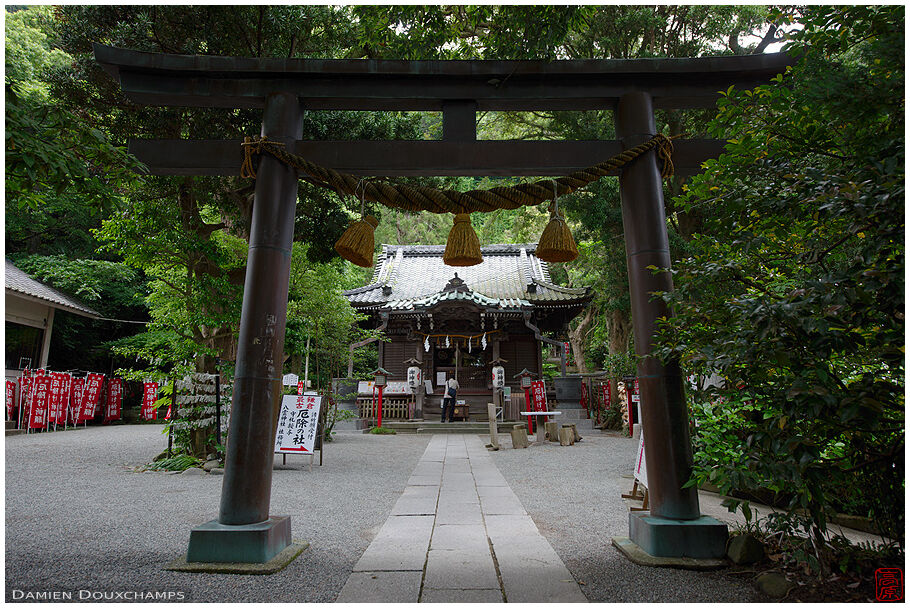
10 399
584 395
55 397
539 396
66 398
25 385
605 395
114 399
76 399
149 396
91 395
37 404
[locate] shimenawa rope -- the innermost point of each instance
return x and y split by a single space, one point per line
419 198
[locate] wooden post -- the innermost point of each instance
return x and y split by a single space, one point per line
669 451
494 430
246 490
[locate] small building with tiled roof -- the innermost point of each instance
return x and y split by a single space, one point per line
30 308
455 321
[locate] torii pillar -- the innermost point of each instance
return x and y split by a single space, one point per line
674 527
244 531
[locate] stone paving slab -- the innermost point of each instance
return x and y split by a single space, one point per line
501 505
491 491
428 468
401 544
407 505
460 496
510 526
462 596
459 513
397 587
460 569
425 480
452 537
490 479
417 491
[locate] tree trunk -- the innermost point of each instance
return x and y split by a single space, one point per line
620 329
577 338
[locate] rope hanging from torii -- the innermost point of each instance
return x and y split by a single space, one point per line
463 248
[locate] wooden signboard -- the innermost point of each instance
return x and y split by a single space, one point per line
297 424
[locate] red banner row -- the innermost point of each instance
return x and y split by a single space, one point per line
47 398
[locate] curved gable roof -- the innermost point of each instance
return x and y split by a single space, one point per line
510 276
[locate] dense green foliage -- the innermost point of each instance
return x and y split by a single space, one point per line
794 288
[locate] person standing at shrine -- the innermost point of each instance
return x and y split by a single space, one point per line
448 402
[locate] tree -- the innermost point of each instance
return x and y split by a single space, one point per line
62 176
794 292
188 234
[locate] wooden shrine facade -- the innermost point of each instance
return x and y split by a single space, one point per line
457 321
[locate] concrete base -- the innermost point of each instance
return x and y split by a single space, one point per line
636 555
214 542
272 566
702 538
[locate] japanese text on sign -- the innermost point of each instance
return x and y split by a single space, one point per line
539 395
91 396
114 399
38 402
149 396
297 424
605 394
10 399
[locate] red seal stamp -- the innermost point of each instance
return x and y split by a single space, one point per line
889 585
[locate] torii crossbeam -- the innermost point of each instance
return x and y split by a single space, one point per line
285 88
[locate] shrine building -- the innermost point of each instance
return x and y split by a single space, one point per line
456 321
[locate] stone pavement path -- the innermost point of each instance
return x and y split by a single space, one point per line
459 534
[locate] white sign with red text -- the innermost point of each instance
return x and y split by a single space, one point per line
297 424
641 468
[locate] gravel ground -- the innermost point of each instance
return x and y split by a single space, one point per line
78 518
574 496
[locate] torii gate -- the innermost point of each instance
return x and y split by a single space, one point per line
285 88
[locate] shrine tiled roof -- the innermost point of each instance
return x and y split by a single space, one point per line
21 284
510 277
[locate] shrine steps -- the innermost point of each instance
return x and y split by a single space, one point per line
12 430
429 427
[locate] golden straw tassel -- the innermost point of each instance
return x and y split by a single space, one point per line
462 246
356 244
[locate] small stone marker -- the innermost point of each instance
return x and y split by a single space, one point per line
494 431
519 434
575 434
566 437
774 584
745 549
551 429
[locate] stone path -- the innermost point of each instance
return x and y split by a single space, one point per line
459 534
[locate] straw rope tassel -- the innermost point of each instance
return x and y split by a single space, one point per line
462 246
356 244
556 243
